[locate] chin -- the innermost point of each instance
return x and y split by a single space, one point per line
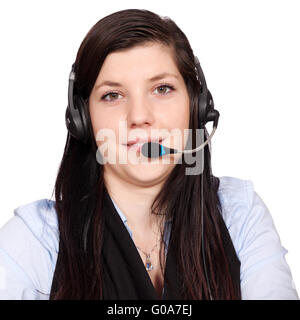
148 172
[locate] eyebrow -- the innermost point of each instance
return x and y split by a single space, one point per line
155 78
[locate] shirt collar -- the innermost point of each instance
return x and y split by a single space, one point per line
123 217
121 214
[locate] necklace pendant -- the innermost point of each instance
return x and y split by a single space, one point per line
149 265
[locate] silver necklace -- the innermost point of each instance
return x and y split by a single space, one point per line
148 263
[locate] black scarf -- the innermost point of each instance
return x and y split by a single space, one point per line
125 276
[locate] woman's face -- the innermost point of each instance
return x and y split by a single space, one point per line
130 101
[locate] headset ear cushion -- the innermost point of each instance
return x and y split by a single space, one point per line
73 121
206 104
202 109
210 101
82 109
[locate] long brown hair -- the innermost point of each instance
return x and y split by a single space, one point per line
79 184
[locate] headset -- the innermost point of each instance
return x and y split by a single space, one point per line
77 121
75 117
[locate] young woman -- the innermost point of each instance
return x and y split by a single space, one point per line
144 229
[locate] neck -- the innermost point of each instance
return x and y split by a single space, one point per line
135 203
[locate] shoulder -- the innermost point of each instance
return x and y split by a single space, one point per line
236 197
28 248
256 241
41 218
243 210
234 192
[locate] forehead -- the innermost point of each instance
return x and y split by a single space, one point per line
140 63
148 56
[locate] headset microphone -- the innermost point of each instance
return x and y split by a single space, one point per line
155 150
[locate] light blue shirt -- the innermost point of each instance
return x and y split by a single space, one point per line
29 246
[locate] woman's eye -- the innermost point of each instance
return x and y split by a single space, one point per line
113 95
164 87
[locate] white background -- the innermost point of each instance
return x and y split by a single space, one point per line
249 51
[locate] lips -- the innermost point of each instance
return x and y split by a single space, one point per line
136 147
138 143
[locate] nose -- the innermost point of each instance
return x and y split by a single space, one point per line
140 113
